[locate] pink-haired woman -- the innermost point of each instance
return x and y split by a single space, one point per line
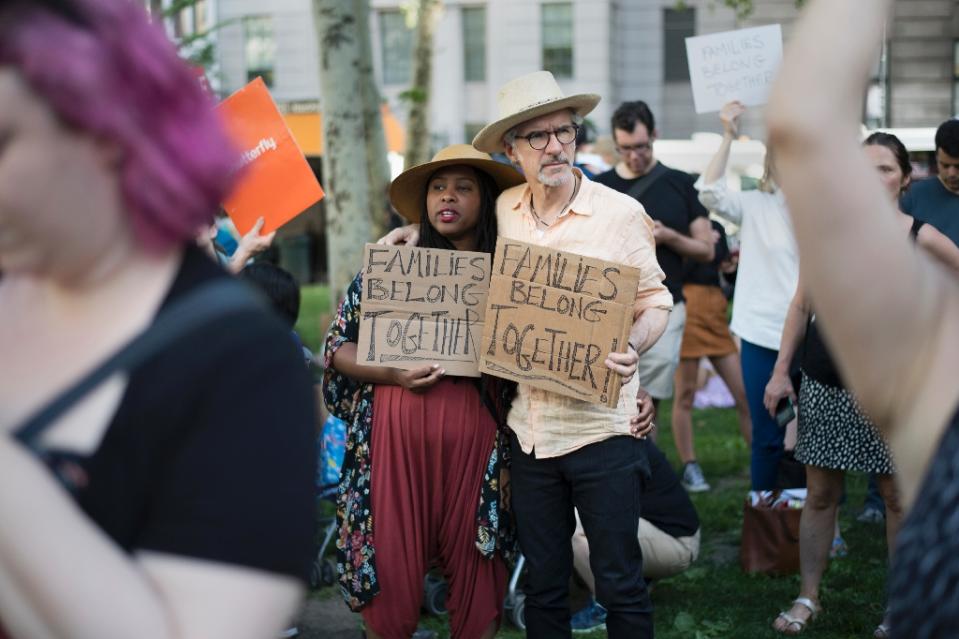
156 425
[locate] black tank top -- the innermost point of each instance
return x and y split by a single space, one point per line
924 577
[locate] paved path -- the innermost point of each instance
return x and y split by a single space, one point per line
327 617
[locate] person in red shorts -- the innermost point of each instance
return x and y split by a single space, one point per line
424 450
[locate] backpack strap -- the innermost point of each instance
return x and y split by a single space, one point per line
914 229
643 184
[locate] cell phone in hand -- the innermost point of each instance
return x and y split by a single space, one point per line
785 411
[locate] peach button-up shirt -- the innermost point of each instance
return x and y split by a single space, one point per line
599 223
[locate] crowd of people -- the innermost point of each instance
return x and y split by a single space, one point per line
158 421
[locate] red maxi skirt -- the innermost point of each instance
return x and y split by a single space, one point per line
429 454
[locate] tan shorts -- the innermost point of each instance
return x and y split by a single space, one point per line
707 332
663 554
657 366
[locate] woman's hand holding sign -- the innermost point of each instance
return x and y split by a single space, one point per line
418 380
642 424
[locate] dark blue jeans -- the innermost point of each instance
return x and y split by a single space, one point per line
604 482
758 363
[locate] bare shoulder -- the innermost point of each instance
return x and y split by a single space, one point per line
929 237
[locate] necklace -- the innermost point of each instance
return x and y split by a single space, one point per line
572 196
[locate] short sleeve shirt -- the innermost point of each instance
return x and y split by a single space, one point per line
931 202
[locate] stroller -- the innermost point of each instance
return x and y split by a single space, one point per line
332 448
515 604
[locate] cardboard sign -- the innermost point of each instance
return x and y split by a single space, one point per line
275 182
553 317
422 306
734 65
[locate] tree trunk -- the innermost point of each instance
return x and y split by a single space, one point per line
418 138
345 164
378 166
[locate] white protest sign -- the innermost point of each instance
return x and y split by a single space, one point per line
734 65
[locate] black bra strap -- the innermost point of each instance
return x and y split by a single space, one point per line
914 229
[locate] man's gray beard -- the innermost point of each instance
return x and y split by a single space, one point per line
554 180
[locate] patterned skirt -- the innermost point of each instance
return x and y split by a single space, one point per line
834 433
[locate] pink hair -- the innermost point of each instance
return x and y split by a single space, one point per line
109 71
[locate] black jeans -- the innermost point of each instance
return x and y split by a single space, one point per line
604 482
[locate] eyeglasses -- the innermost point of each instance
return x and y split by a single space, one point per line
539 140
635 148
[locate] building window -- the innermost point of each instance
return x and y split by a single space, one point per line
471 129
397 40
201 16
955 79
260 48
191 20
876 108
678 24
557 37
474 44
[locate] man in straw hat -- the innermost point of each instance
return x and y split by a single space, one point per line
566 452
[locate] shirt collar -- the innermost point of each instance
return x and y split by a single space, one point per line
578 205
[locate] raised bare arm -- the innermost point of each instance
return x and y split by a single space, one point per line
887 313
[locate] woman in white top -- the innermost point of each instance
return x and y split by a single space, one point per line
768 273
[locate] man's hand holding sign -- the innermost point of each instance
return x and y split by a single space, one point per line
560 322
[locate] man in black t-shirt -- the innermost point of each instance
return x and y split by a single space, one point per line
682 229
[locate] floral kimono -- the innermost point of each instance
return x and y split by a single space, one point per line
352 402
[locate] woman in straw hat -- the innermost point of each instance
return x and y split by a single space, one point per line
434 487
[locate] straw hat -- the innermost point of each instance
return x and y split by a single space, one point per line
524 98
408 190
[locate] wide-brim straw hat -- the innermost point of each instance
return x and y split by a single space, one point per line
524 98
408 190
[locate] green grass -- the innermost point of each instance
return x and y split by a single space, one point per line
315 315
714 599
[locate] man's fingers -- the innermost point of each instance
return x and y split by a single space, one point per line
258 226
626 370
389 239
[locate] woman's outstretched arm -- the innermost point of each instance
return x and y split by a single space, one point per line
887 312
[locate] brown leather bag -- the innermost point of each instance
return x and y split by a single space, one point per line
770 540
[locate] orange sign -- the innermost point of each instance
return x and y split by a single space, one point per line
276 182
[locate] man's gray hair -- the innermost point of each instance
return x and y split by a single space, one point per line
510 136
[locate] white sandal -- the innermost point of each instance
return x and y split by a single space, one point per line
807 603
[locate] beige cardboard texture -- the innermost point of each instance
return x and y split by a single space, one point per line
421 307
553 316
